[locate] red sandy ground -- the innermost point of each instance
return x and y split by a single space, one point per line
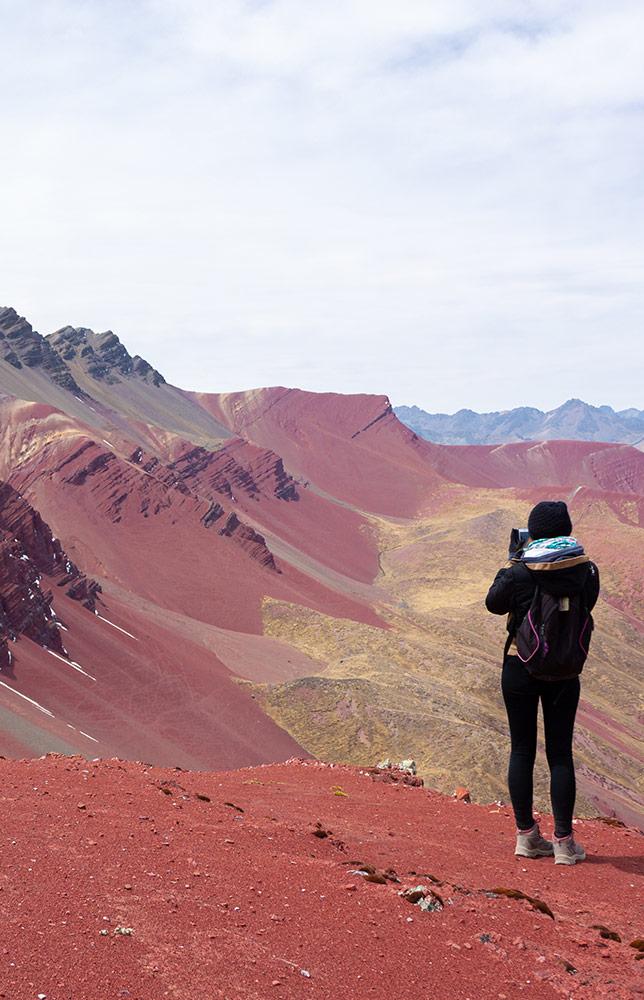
230 895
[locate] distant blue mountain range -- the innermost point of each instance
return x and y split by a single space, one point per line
573 420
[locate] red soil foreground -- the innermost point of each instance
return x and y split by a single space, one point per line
228 893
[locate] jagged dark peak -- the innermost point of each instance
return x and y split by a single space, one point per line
101 355
22 347
11 324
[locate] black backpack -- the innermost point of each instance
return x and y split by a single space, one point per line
552 640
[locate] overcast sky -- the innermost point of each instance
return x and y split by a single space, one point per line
437 199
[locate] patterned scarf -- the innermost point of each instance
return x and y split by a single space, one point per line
549 550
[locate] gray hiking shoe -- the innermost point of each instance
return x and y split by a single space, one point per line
568 851
532 844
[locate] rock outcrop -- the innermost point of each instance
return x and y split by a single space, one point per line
237 468
29 554
21 346
250 540
25 608
101 355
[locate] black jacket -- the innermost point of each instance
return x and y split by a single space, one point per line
513 589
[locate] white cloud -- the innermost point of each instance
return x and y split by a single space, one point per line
419 198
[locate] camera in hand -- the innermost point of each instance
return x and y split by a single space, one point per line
518 538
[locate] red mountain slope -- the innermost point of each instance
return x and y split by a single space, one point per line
609 467
78 681
352 447
132 685
143 525
169 698
355 446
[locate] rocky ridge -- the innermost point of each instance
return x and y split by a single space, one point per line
149 485
101 355
21 346
143 483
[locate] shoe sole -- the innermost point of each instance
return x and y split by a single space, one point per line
533 854
570 861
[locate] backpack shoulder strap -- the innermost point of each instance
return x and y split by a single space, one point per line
520 573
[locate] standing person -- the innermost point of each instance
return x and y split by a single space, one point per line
548 590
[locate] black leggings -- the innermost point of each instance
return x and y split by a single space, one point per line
559 699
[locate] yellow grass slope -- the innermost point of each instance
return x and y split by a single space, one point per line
428 687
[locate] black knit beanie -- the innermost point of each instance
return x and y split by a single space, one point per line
549 519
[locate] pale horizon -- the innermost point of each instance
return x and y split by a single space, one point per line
439 202
276 385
